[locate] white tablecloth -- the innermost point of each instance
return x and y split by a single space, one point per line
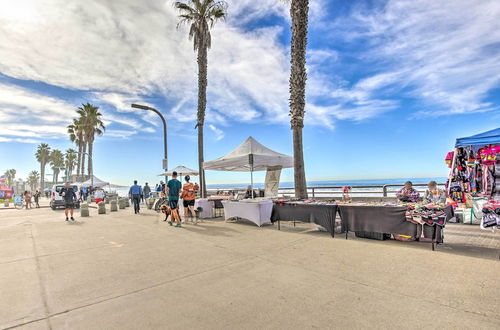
206 205
257 212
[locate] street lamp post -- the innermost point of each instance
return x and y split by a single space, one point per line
165 159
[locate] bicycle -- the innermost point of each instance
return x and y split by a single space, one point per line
159 202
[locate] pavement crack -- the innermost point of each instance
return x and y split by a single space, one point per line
43 291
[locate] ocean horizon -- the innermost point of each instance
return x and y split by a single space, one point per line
123 191
327 183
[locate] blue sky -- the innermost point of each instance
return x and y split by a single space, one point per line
391 84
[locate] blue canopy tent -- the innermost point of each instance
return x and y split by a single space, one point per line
489 137
476 142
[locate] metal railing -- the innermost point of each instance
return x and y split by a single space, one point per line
334 191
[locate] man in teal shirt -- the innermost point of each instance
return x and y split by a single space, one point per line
174 187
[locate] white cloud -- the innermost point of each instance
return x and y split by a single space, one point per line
28 114
118 53
219 134
444 53
21 140
131 51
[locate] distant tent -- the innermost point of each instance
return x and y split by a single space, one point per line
489 137
181 170
95 183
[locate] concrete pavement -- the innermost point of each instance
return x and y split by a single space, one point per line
126 271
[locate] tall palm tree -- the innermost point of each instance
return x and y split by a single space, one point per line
56 162
42 156
75 132
201 15
70 162
299 11
92 126
33 178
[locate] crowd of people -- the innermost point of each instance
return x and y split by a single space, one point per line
170 193
29 197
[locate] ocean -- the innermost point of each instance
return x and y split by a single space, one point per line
123 191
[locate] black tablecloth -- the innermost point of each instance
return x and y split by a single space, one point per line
323 215
382 219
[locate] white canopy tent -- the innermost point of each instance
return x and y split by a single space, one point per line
181 170
94 182
250 156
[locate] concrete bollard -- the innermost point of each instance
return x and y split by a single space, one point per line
121 203
101 208
127 202
84 210
6 203
114 205
150 203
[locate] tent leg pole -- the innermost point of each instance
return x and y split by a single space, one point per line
251 180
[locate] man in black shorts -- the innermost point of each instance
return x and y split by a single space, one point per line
69 197
173 190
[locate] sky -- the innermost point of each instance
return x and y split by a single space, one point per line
391 84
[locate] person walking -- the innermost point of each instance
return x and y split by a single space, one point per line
37 199
146 191
188 196
69 197
99 195
173 188
135 194
27 199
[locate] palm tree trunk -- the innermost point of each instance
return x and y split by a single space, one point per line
90 162
202 104
79 161
299 11
42 174
84 150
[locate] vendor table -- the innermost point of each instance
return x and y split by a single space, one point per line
384 219
206 208
323 215
259 212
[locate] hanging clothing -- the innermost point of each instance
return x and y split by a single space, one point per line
488 180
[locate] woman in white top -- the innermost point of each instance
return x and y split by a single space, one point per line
433 194
99 195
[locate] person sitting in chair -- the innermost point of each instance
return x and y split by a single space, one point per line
249 193
408 194
433 194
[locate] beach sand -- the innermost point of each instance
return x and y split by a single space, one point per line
126 271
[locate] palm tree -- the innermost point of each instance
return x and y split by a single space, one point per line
42 156
70 162
11 175
201 15
56 162
299 10
92 126
33 178
75 132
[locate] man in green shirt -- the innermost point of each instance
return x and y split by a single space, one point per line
173 188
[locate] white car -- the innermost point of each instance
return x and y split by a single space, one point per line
56 200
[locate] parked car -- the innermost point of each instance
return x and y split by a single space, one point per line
56 200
